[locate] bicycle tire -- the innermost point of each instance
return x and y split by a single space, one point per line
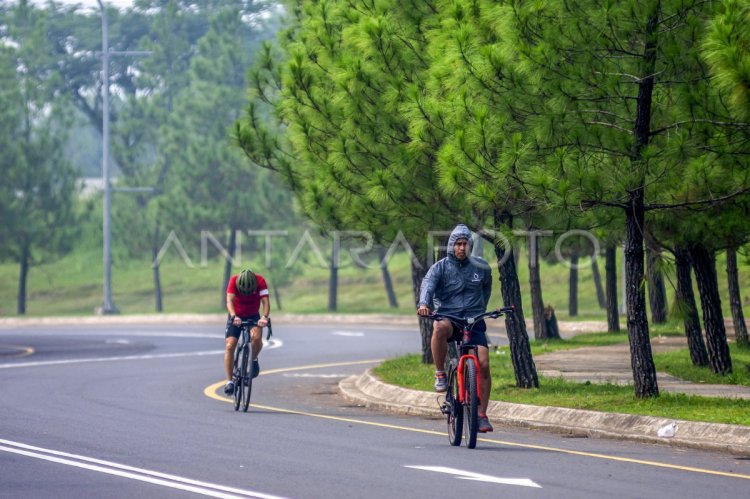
237 378
455 410
247 375
471 404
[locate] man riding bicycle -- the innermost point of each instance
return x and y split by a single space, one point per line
460 285
246 293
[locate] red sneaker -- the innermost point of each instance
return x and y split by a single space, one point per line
484 424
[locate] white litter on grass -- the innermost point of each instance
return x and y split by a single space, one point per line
667 430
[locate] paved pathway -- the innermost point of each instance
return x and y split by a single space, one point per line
611 364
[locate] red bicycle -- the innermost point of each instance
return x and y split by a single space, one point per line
461 402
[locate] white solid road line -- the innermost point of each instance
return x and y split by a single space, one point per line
107 359
133 473
348 333
270 345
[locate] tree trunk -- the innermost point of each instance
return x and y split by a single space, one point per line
231 247
573 286
598 282
641 357
610 271
687 309
277 297
23 276
735 300
418 271
158 306
333 279
550 323
704 264
392 301
477 246
520 350
537 303
657 293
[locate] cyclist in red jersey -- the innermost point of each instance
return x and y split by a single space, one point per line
247 292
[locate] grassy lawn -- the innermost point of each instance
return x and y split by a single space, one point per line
678 364
408 371
73 285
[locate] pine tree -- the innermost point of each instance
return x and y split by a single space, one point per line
39 186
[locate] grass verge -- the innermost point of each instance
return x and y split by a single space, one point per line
409 372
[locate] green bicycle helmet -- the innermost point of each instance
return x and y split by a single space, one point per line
247 283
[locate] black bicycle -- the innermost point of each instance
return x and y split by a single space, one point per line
461 404
242 375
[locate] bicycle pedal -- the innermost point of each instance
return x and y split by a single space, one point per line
445 407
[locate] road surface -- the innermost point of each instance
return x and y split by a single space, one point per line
137 411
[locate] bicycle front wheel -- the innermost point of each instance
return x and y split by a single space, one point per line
455 411
247 375
471 403
237 378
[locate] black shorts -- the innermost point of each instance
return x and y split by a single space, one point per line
478 334
234 331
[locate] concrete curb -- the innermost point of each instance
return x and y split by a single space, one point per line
368 390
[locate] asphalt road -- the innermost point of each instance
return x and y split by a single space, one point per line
137 411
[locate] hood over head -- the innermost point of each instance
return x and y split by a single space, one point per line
460 232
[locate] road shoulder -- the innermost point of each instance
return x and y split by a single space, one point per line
368 390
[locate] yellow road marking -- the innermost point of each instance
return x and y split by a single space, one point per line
210 391
24 351
320 366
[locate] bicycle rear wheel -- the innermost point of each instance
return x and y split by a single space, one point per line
247 375
471 403
455 411
237 378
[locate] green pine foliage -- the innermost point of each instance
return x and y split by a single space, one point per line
38 197
339 96
727 50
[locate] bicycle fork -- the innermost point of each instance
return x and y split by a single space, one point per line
461 386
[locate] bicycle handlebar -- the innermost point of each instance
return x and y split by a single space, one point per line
250 323
492 314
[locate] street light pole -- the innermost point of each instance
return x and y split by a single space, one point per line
107 307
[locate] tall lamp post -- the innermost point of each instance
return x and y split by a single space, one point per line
108 307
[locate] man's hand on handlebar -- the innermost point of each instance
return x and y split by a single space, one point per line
424 311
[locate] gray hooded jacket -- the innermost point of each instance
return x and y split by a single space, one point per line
457 287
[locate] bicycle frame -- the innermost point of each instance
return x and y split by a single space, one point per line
245 327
